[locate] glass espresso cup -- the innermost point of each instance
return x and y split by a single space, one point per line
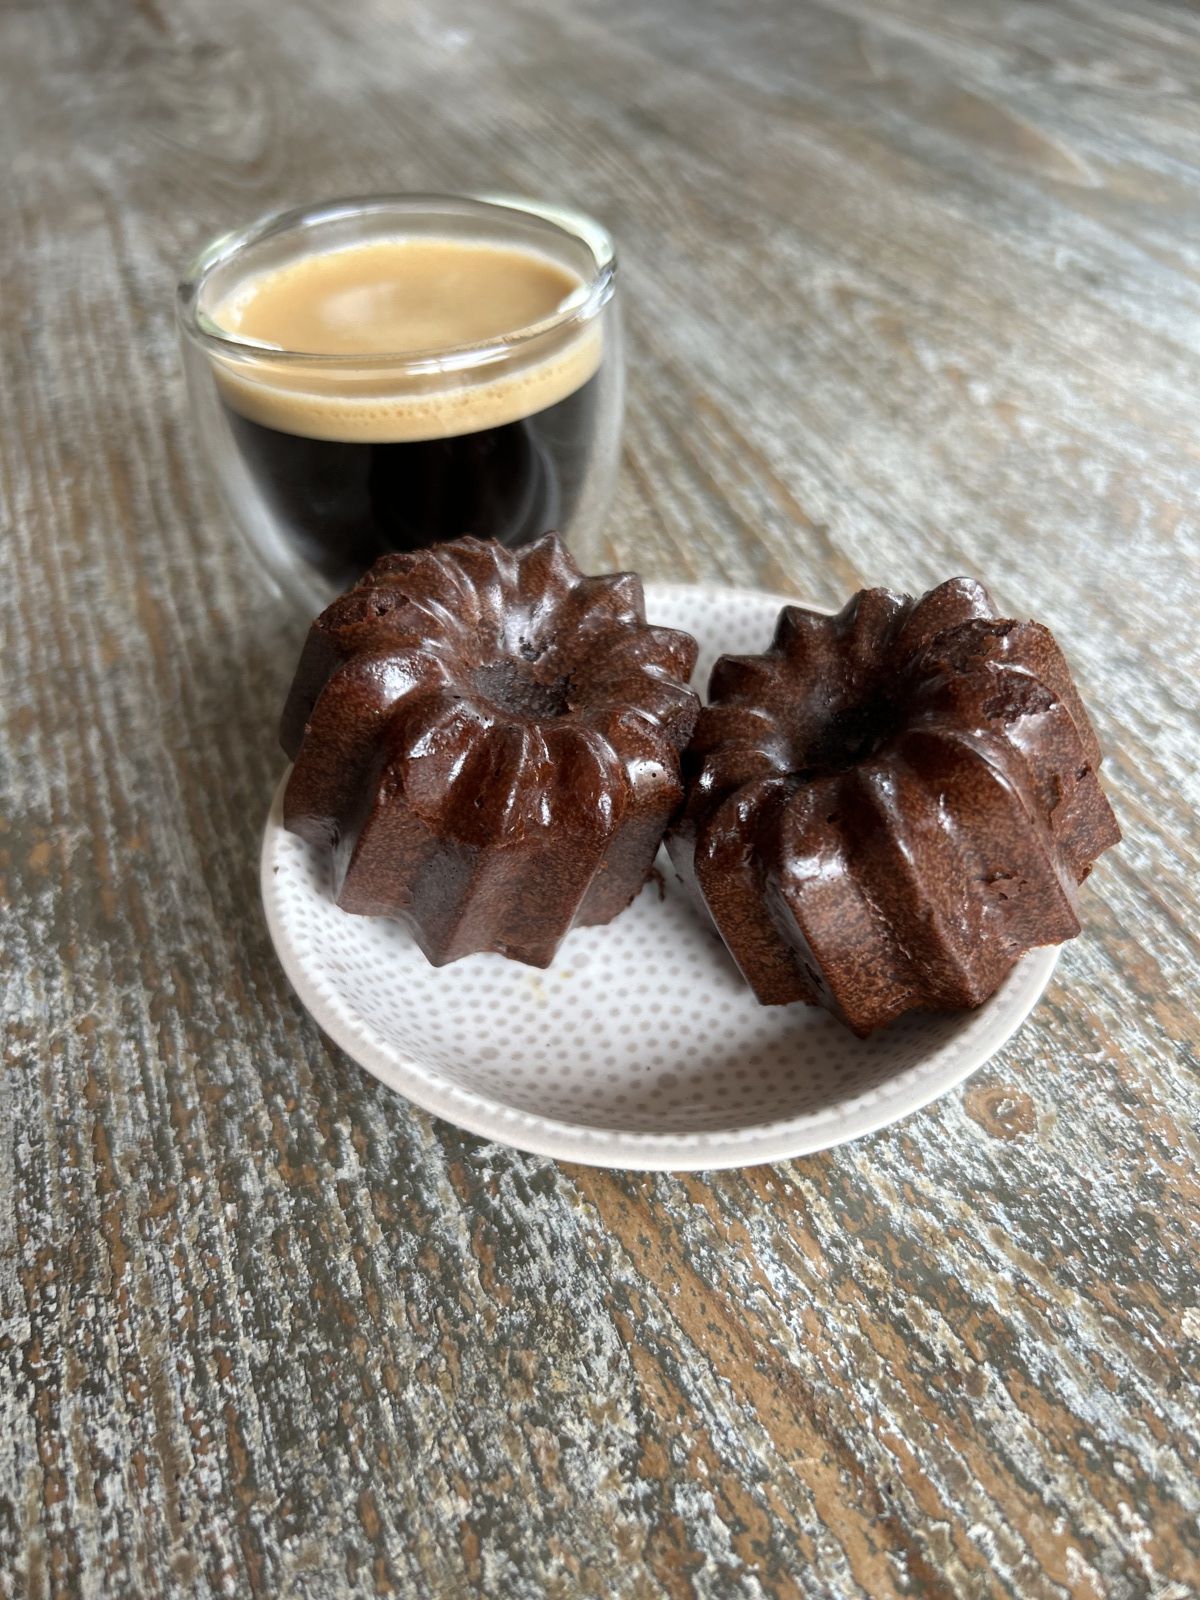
493 406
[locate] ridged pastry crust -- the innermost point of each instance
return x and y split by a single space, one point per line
891 805
489 743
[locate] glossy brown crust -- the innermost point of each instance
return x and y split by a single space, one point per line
489 743
890 806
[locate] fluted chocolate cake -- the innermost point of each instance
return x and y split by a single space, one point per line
891 805
489 743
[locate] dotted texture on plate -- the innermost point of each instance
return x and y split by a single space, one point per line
641 1031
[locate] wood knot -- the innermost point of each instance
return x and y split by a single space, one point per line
1001 1111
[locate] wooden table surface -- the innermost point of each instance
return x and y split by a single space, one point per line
913 289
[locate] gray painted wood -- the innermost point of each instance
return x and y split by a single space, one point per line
914 289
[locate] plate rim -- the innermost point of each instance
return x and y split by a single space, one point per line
633 1149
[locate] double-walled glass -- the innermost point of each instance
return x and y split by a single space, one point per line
327 461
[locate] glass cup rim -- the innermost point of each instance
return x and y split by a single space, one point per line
578 310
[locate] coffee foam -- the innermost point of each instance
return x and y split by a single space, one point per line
403 297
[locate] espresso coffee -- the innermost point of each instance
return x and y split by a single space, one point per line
356 458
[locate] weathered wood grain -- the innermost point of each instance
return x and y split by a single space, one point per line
913 289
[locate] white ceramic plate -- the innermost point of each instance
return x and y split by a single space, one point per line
641 1046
